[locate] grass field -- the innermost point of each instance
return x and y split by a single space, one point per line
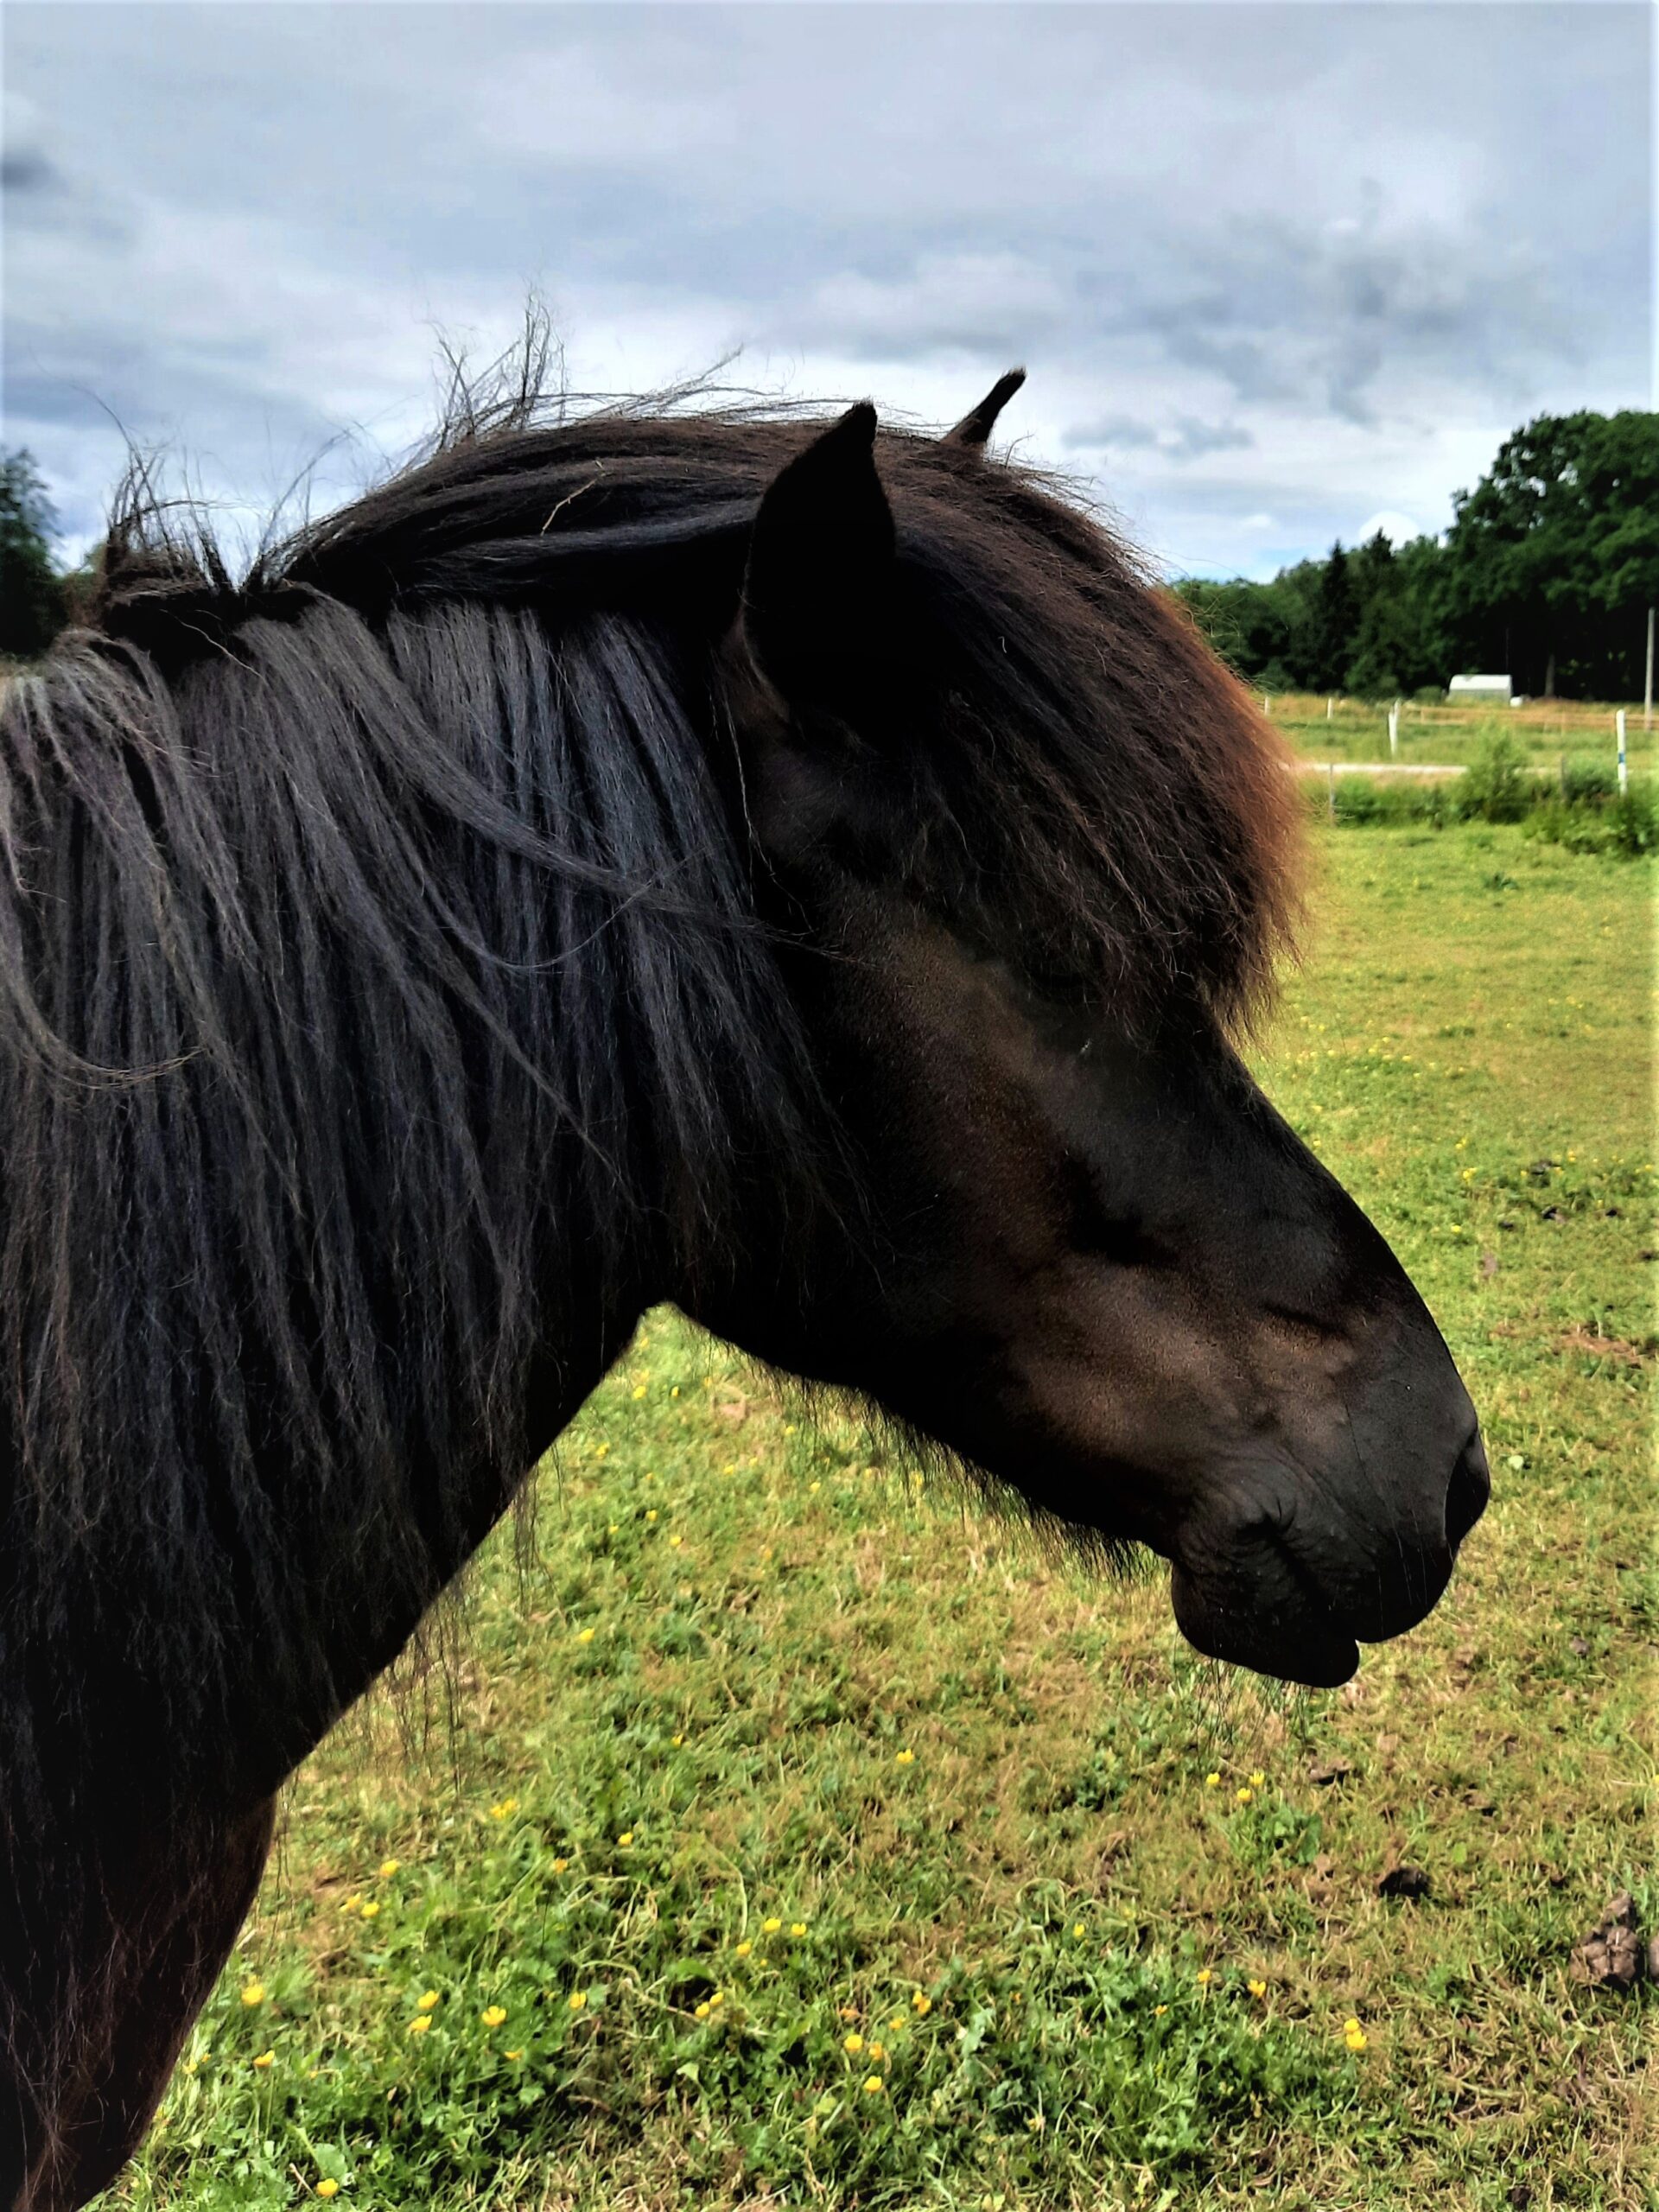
792 1837
1548 731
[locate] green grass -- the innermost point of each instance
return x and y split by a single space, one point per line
750 1690
1549 732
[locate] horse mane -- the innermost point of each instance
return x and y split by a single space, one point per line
378 927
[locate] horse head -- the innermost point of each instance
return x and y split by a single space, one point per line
1027 858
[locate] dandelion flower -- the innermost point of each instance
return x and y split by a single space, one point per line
585 1635
922 2004
716 1997
1354 2036
1076 1929
674 1543
253 1992
700 2012
1204 1977
743 1951
1243 1796
577 1999
512 2054
873 2085
427 2002
896 2022
625 1839
1256 1988
903 1758
770 1927
368 1908
1257 1779
1158 2010
493 2015
677 1741
327 2186
798 1927
389 1868
419 2024
854 2044
1212 1781
878 2052
266 2059
651 1513
560 1865
639 1391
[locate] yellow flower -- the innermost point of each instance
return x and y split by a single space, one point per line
1212 1781
903 1758
922 2004
428 2002
253 1992
716 1997
1257 1779
624 1839
493 2015
1256 1988
674 1543
577 1999
1078 1927
368 1908
770 1927
505 1810
419 2024
1158 2010
854 2044
327 2186
388 1868
651 1513
559 1866
700 2012
873 2085
677 1741
265 2058
798 1927
896 2021
512 2054
585 1636
638 1390
1243 1796
878 2052
743 1951
1354 2036
1204 1977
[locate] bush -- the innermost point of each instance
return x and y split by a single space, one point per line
1499 786
1627 826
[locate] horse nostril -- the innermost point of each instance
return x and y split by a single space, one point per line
1469 1487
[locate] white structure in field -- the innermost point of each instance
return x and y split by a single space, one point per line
1478 687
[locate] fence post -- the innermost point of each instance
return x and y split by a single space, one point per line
1647 695
1393 731
1624 765
1331 704
1331 778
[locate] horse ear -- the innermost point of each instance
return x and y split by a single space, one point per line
818 589
976 427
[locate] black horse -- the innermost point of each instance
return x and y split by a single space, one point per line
801 873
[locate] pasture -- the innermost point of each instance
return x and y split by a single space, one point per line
768 1831
1549 733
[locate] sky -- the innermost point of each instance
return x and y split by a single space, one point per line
1280 273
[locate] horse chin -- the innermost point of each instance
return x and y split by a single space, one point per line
1298 1641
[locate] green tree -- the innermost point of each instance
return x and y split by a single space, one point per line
1333 623
1553 559
31 598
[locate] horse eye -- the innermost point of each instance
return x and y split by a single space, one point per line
1109 1232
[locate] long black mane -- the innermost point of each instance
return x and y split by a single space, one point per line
380 977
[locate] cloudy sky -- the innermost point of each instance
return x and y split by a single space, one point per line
1280 272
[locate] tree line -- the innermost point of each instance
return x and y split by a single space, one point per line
1546 575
